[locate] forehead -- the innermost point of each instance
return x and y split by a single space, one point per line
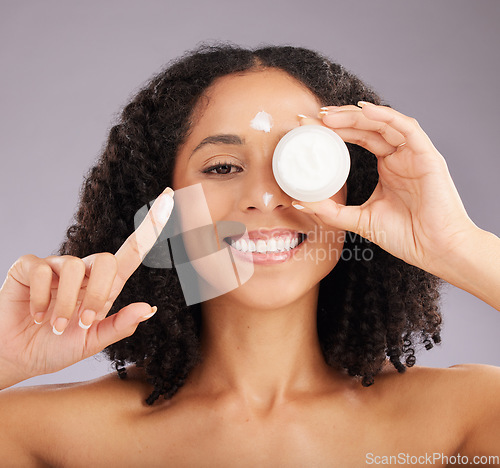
238 97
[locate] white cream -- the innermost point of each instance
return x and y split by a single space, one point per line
262 121
266 198
311 163
308 164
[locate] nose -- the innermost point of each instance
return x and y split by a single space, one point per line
261 192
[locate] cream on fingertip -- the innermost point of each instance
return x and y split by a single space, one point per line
163 207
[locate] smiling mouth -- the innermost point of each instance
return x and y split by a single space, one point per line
284 243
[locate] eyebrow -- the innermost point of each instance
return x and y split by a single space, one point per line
224 139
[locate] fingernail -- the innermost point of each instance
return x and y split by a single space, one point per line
298 206
364 103
86 319
38 318
153 311
169 191
60 325
328 110
302 116
163 208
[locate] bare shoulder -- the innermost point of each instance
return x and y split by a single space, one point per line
37 420
109 389
455 383
462 398
479 387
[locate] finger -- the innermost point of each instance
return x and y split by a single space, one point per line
117 326
130 255
101 270
354 118
70 282
370 140
407 126
348 218
40 281
307 120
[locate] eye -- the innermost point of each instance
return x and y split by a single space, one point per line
222 169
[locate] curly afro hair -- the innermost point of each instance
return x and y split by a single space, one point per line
371 306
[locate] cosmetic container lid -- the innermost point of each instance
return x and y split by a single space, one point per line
311 163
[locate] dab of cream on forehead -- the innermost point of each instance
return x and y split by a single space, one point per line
262 121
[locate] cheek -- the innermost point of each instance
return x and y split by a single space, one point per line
323 248
220 200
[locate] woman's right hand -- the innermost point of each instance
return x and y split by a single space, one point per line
53 311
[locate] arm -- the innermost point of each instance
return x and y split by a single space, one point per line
474 266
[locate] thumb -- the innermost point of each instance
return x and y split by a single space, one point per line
117 326
346 217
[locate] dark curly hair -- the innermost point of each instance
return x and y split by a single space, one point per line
371 306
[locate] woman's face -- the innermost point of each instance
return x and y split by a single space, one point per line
231 157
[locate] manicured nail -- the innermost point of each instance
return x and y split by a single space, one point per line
38 318
60 325
169 191
153 311
86 319
304 209
302 116
364 103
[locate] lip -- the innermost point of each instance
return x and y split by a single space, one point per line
267 258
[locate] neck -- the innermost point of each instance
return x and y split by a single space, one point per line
264 356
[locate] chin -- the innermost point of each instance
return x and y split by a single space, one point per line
273 291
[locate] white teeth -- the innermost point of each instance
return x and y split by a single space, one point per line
261 246
270 246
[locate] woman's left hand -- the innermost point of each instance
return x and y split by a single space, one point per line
415 212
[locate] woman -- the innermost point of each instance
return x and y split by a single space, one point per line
303 364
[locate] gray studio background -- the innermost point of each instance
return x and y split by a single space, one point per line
68 67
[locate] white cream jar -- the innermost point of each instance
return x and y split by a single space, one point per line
311 163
